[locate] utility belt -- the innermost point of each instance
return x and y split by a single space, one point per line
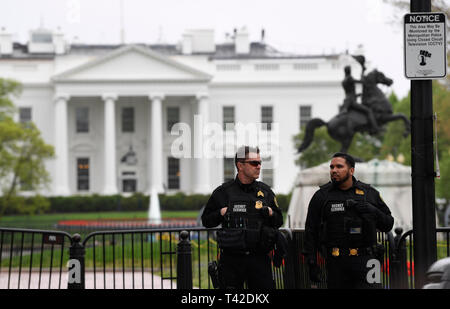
341 252
234 240
231 252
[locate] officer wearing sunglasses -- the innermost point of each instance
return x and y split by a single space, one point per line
250 217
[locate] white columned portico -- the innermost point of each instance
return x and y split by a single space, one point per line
155 168
109 169
201 162
61 174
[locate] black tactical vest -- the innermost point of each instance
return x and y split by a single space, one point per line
243 226
342 226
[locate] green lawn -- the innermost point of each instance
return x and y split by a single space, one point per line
48 221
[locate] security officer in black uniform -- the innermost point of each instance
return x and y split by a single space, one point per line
342 221
250 217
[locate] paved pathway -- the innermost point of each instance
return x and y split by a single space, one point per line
55 281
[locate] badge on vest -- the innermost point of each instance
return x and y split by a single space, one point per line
359 192
260 194
258 204
335 252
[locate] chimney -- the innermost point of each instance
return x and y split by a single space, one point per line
241 42
198 41
186 44
6 44
59 42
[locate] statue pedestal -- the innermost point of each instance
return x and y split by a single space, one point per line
391 179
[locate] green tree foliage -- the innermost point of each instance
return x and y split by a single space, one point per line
22 151
441 106
391 144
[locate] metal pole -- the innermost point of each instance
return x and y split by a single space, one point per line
422 161
184 262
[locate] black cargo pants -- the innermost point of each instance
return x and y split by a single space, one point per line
255 269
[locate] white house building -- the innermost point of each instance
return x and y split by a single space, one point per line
126 118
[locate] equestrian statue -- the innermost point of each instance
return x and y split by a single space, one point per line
369 116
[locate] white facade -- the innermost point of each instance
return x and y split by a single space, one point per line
197 79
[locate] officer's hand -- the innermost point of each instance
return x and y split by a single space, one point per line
314 272
365 208
223 211
266 211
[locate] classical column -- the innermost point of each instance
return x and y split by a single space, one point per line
155 167
201 162
61 174
109 160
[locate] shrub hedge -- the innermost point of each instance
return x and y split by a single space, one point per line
101 203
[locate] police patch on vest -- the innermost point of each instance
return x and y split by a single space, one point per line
258 204
337 207
260 194
240 208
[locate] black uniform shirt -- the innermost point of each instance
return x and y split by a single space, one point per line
320 198
223 195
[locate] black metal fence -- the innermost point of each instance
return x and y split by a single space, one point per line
165 259
33 259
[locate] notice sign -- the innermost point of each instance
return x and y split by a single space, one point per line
425 45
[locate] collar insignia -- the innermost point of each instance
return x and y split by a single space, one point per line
359 192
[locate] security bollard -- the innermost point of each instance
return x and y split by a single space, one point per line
75 264
184 262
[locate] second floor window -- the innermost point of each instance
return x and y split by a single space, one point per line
228 117
305 115
25 114
173 117
128 119
267 117
82 119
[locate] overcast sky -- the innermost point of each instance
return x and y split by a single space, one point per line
300 26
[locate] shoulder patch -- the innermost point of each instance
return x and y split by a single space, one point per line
359 191
275 201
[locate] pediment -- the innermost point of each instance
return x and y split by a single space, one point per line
132 63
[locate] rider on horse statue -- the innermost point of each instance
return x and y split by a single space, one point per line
374 111
349 85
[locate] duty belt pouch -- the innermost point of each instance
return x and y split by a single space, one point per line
231 238
253 231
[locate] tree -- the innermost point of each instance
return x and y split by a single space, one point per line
22 150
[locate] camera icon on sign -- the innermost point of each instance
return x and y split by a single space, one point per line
423 54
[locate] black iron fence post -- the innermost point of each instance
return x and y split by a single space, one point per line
76 264
184 262
398 262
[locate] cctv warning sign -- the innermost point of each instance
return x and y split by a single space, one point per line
425 45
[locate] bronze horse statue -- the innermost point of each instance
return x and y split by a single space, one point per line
343 126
